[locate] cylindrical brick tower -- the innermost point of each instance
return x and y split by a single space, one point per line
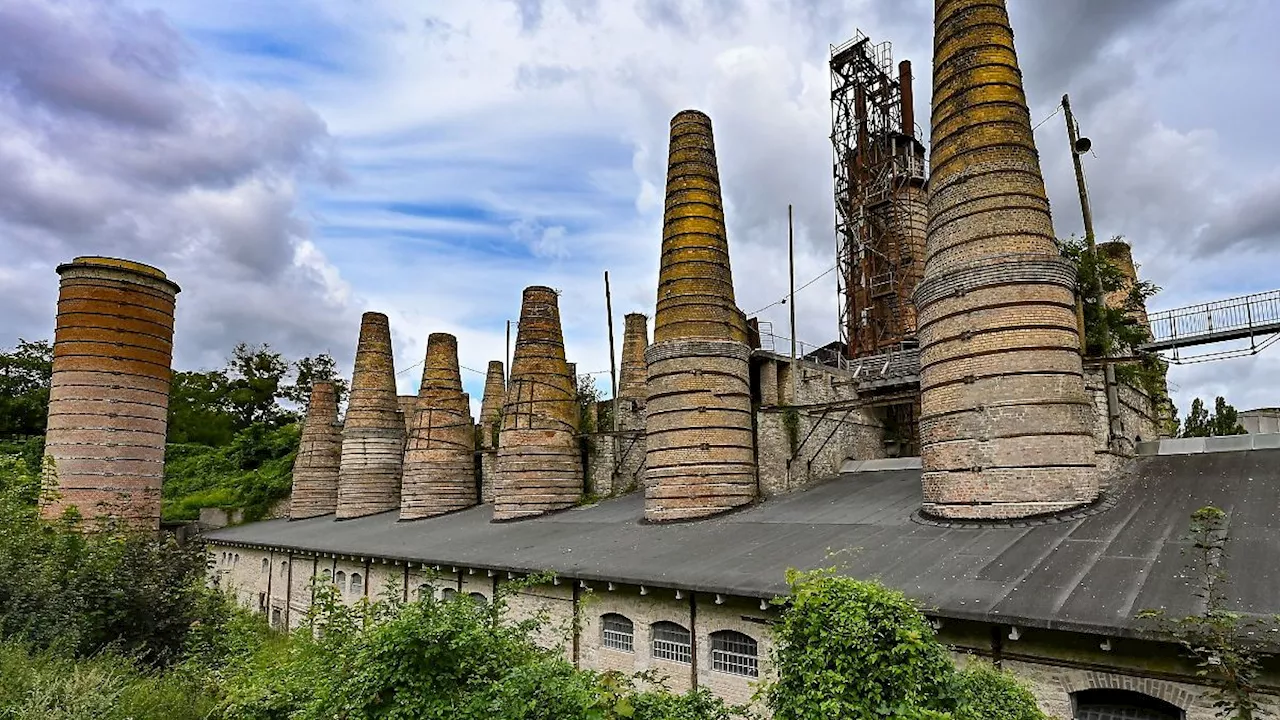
373 433
633 380
315 470
439 465
109 399
1120 254
539 465
700 446
495 390
1005 424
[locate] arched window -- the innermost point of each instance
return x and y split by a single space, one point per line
275 617
357 584
734 653
341 581
671 642
266 566
448 594
328 575
236 559
1122 705
479 598
425 591
617 632
284 568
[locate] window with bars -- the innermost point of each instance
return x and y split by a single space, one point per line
448 594
671 642
617 632
734 653
357 584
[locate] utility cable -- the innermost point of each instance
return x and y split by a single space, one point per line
784 300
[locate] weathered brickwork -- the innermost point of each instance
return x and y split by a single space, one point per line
373 432
495 391
996 300
699 452
109 395
439 462
315 470
633 377
1120 254
539 466
1139 421
808 439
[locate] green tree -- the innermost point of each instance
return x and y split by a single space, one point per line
1199 423
25 374
200 408
309 370
256 376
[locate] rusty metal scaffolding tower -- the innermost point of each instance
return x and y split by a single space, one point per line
881 205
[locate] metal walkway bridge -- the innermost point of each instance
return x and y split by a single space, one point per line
1255 318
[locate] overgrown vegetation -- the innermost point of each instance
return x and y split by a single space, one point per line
859 651
791 426
1226 648
1116 331
253 472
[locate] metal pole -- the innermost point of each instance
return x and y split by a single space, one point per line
613 363
1114 425
791 258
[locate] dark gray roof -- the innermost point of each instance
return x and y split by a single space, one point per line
1090 573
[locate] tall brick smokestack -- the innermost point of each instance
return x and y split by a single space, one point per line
109 399
539 466
315 471
495 391
700 447
439 465
635 340
1005 423
373 432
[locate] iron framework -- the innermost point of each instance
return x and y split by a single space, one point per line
879 169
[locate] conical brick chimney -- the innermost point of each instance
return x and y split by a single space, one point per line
373 434
1005 423
700 446
539 466
635 340
439 465
315 470
109 395
495 390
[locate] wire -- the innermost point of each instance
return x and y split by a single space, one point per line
784 300
1047 119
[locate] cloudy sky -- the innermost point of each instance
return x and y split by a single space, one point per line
294 164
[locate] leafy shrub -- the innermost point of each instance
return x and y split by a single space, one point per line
860 651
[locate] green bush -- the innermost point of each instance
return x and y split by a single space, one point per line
253 472
857 650
44 685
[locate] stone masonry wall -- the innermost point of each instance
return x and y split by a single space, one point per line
1050 678
828 430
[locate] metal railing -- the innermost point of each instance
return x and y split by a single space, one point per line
1249 316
